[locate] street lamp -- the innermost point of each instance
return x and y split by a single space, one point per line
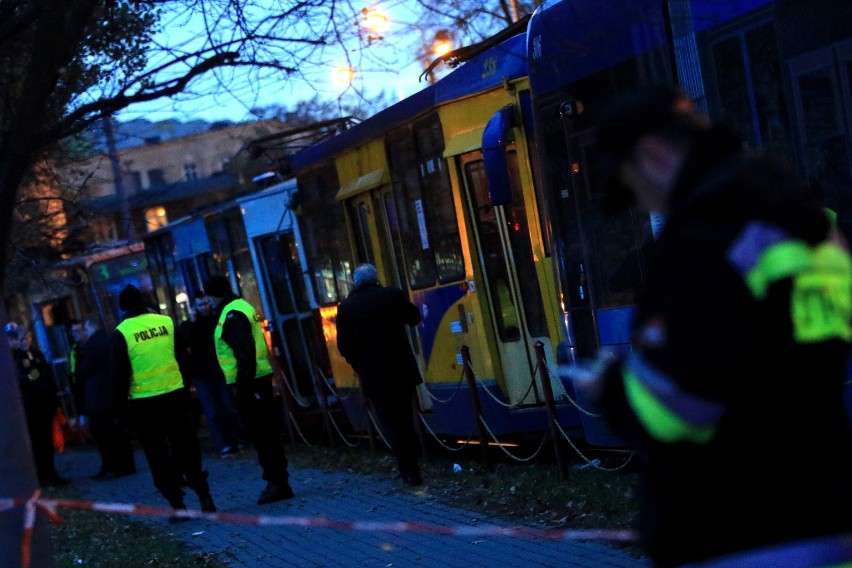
375 22
343 75
443 43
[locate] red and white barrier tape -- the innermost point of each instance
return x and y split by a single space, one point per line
50 507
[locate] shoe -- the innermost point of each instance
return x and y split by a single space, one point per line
177 503
207 504
275 492
413 480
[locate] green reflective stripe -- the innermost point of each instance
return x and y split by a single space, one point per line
225 354
831 215
777 262
151 350
662 424
148 382
821 303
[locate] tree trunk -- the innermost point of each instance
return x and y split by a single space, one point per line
17 469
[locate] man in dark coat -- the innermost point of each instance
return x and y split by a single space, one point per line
38 391
740 345
105 404
205 374
371 335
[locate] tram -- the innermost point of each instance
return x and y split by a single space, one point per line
254 241
480 195
439 192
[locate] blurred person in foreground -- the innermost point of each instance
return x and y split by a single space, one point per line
148 375
40 400
241 351
740 343
104 403
371 336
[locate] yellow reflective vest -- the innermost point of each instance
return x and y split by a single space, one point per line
151 347
225 354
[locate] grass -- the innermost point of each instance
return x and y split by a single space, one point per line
99 540
529 493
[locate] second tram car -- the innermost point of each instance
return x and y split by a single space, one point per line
254 241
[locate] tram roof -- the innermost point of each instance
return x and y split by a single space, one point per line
483 72
571 39
101 252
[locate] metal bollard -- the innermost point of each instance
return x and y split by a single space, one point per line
477 407
550 403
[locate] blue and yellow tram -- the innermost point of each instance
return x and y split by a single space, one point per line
439 192
480 195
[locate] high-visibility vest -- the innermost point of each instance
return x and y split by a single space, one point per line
151 346
225 354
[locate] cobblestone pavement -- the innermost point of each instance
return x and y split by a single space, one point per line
235 484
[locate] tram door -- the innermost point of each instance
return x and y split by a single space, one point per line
377 209
301 339
513 290
601 266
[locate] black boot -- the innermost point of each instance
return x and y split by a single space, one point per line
275 492
206 501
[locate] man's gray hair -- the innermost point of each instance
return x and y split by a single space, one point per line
365 275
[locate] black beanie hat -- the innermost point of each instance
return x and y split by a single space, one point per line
218 286
627 118
130 298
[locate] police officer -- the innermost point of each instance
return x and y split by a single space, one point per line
740 345
241 351
143 355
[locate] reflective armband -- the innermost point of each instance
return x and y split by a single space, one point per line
668 414
821 299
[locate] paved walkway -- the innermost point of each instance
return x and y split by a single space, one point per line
235 483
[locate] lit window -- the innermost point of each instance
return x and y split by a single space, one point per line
155 217
190 171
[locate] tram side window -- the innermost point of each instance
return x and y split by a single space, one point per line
281 257
427 217
748 96
324 235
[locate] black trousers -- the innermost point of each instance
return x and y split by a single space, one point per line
113 442
40 426
167 433
395 414
260 413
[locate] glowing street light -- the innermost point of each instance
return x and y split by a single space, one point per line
343 75
443 43
375 22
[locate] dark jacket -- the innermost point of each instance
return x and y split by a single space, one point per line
702 332
38 388
197 350
93 372
371 335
